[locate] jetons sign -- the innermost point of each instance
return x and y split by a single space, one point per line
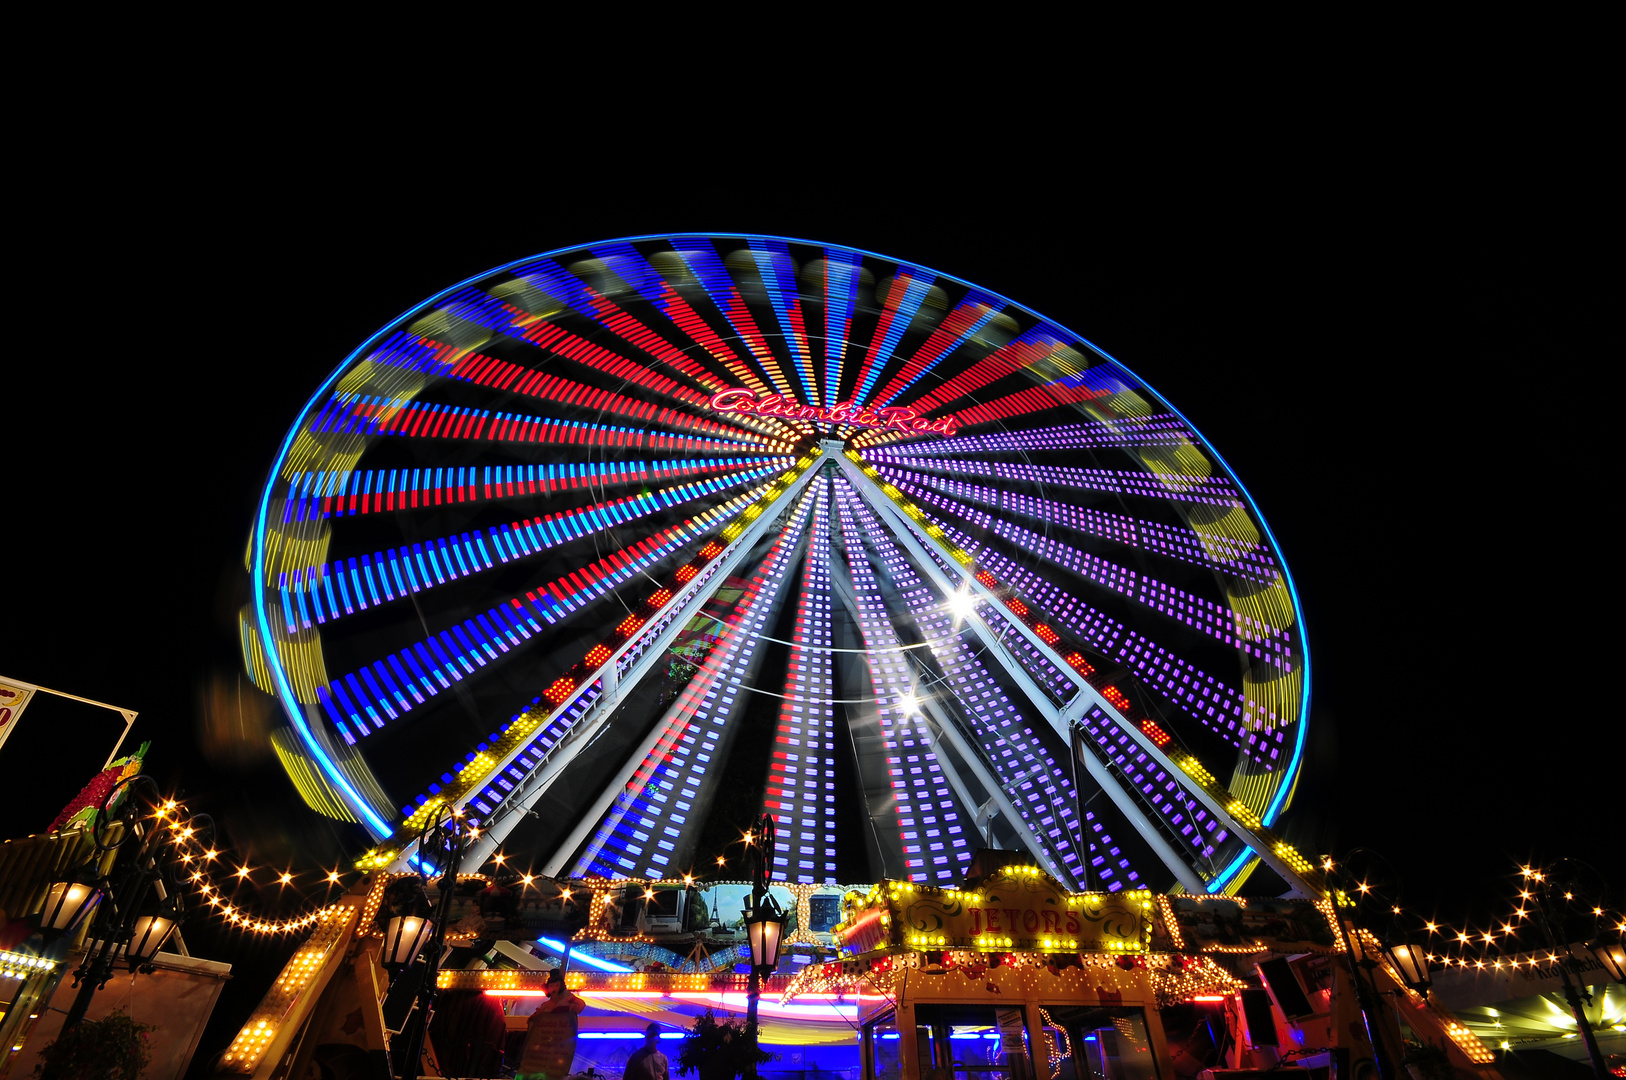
1017 907
901 419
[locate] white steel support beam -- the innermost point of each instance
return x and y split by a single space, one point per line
619 677
1061 720
645 664
947 732
1149 832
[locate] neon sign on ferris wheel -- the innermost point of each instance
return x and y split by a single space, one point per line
893 418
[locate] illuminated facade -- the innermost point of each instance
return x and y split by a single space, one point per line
638 501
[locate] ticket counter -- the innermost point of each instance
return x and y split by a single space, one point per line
1011 977
948 1028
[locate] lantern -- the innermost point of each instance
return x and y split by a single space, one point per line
403 938
67 902
148 936
1412 964
763 925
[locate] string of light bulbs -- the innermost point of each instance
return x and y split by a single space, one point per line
1501 947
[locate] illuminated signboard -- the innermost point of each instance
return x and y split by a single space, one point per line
903 420
1018 907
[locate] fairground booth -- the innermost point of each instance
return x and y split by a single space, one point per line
1008 975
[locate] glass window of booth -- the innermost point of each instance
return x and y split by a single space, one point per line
955 1042
1097 1043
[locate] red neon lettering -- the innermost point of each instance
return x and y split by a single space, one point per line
898 418
976 920
993 921
1052 921
735 400
893 418
1072 922
1030 921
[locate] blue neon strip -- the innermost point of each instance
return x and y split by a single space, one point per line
590 961
972 298
489 635
913 295
840 298
778 275
523 538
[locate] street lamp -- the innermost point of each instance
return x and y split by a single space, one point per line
1345 888
763 924
148 934
126 924
1570 967
442 843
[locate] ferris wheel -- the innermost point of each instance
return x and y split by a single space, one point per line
604 542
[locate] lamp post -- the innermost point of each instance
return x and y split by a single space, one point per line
1569 968
764 925
134 915
440 849
1345 889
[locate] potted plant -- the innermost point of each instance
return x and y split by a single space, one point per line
721 1050
1428 1061
112 1048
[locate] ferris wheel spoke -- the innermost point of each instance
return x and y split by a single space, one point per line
906 292
652 829
801 772
1042 789
1177 487
1157 429
1272 644
777 275
1225 554
427 564
900 770
462 423
842 273
350 492
703 264
974 312
358 708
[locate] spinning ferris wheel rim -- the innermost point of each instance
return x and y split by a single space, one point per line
314 739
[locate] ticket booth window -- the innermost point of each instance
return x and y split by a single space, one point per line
883 1058
973 1042
1083 1043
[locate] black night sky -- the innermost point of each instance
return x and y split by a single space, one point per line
1398 363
